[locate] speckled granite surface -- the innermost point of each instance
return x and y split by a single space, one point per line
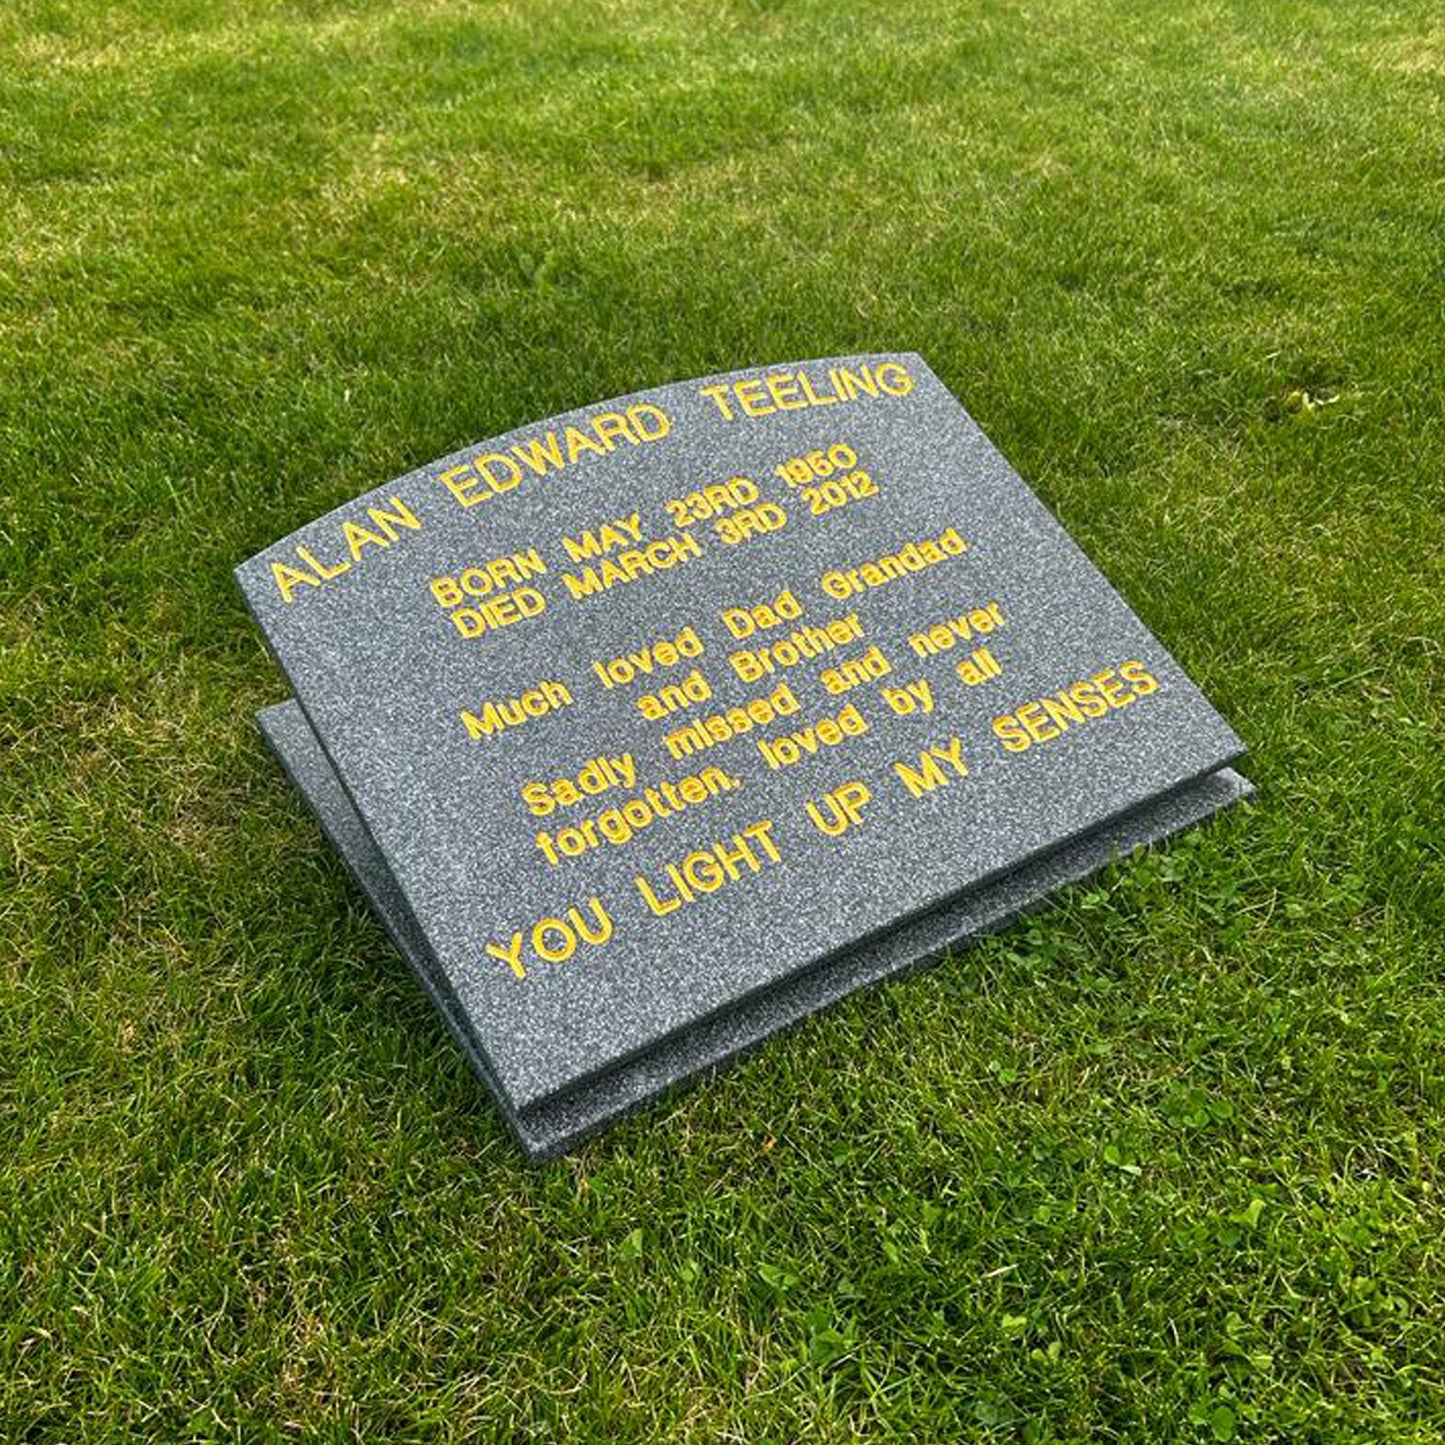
874 692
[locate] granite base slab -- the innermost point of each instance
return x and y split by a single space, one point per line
559 1122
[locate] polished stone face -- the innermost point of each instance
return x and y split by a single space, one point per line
656 711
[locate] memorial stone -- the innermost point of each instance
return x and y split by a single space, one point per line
654 727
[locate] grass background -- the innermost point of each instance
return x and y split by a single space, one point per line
1164 1162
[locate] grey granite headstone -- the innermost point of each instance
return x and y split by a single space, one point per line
656 726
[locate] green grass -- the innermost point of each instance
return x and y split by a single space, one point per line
1164 1162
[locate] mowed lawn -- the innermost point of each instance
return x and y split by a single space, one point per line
1163 1162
